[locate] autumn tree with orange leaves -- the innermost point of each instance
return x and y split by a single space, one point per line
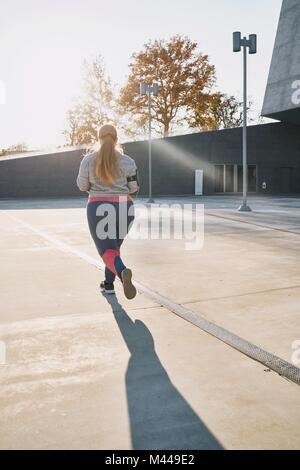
219 112
186 97
184 75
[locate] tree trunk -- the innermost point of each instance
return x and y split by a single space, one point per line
166 130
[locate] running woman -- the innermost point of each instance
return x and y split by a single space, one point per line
110 176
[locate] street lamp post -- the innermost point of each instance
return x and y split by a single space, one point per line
238 43
149 90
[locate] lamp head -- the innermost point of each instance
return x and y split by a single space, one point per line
252 44
143 89
155 89
237 41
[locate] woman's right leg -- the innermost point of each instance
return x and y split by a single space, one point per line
125 273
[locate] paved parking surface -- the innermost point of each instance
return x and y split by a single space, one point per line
87 372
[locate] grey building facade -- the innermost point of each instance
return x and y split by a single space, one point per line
282 97
273 158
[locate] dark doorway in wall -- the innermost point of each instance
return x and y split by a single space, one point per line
286 179
251 178
229 180
240 179
219 178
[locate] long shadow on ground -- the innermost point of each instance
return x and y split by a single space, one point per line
160 417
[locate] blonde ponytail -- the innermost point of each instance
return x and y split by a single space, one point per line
107 161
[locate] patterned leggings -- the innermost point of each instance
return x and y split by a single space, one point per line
110 219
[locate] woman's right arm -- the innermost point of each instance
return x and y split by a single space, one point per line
133 179
83 181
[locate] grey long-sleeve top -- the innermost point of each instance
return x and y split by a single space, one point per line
126 183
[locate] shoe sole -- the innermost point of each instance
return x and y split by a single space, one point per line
129 289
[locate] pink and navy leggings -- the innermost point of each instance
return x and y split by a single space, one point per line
110 219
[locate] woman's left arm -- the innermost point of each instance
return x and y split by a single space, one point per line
83 181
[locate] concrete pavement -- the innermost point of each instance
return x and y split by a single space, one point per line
85 371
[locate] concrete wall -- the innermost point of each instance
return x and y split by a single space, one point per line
40 175
270 147
285 67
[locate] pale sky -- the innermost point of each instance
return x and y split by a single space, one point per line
44 42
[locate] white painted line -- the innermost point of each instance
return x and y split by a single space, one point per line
275 363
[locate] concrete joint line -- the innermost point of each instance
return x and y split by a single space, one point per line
267 227
275 363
